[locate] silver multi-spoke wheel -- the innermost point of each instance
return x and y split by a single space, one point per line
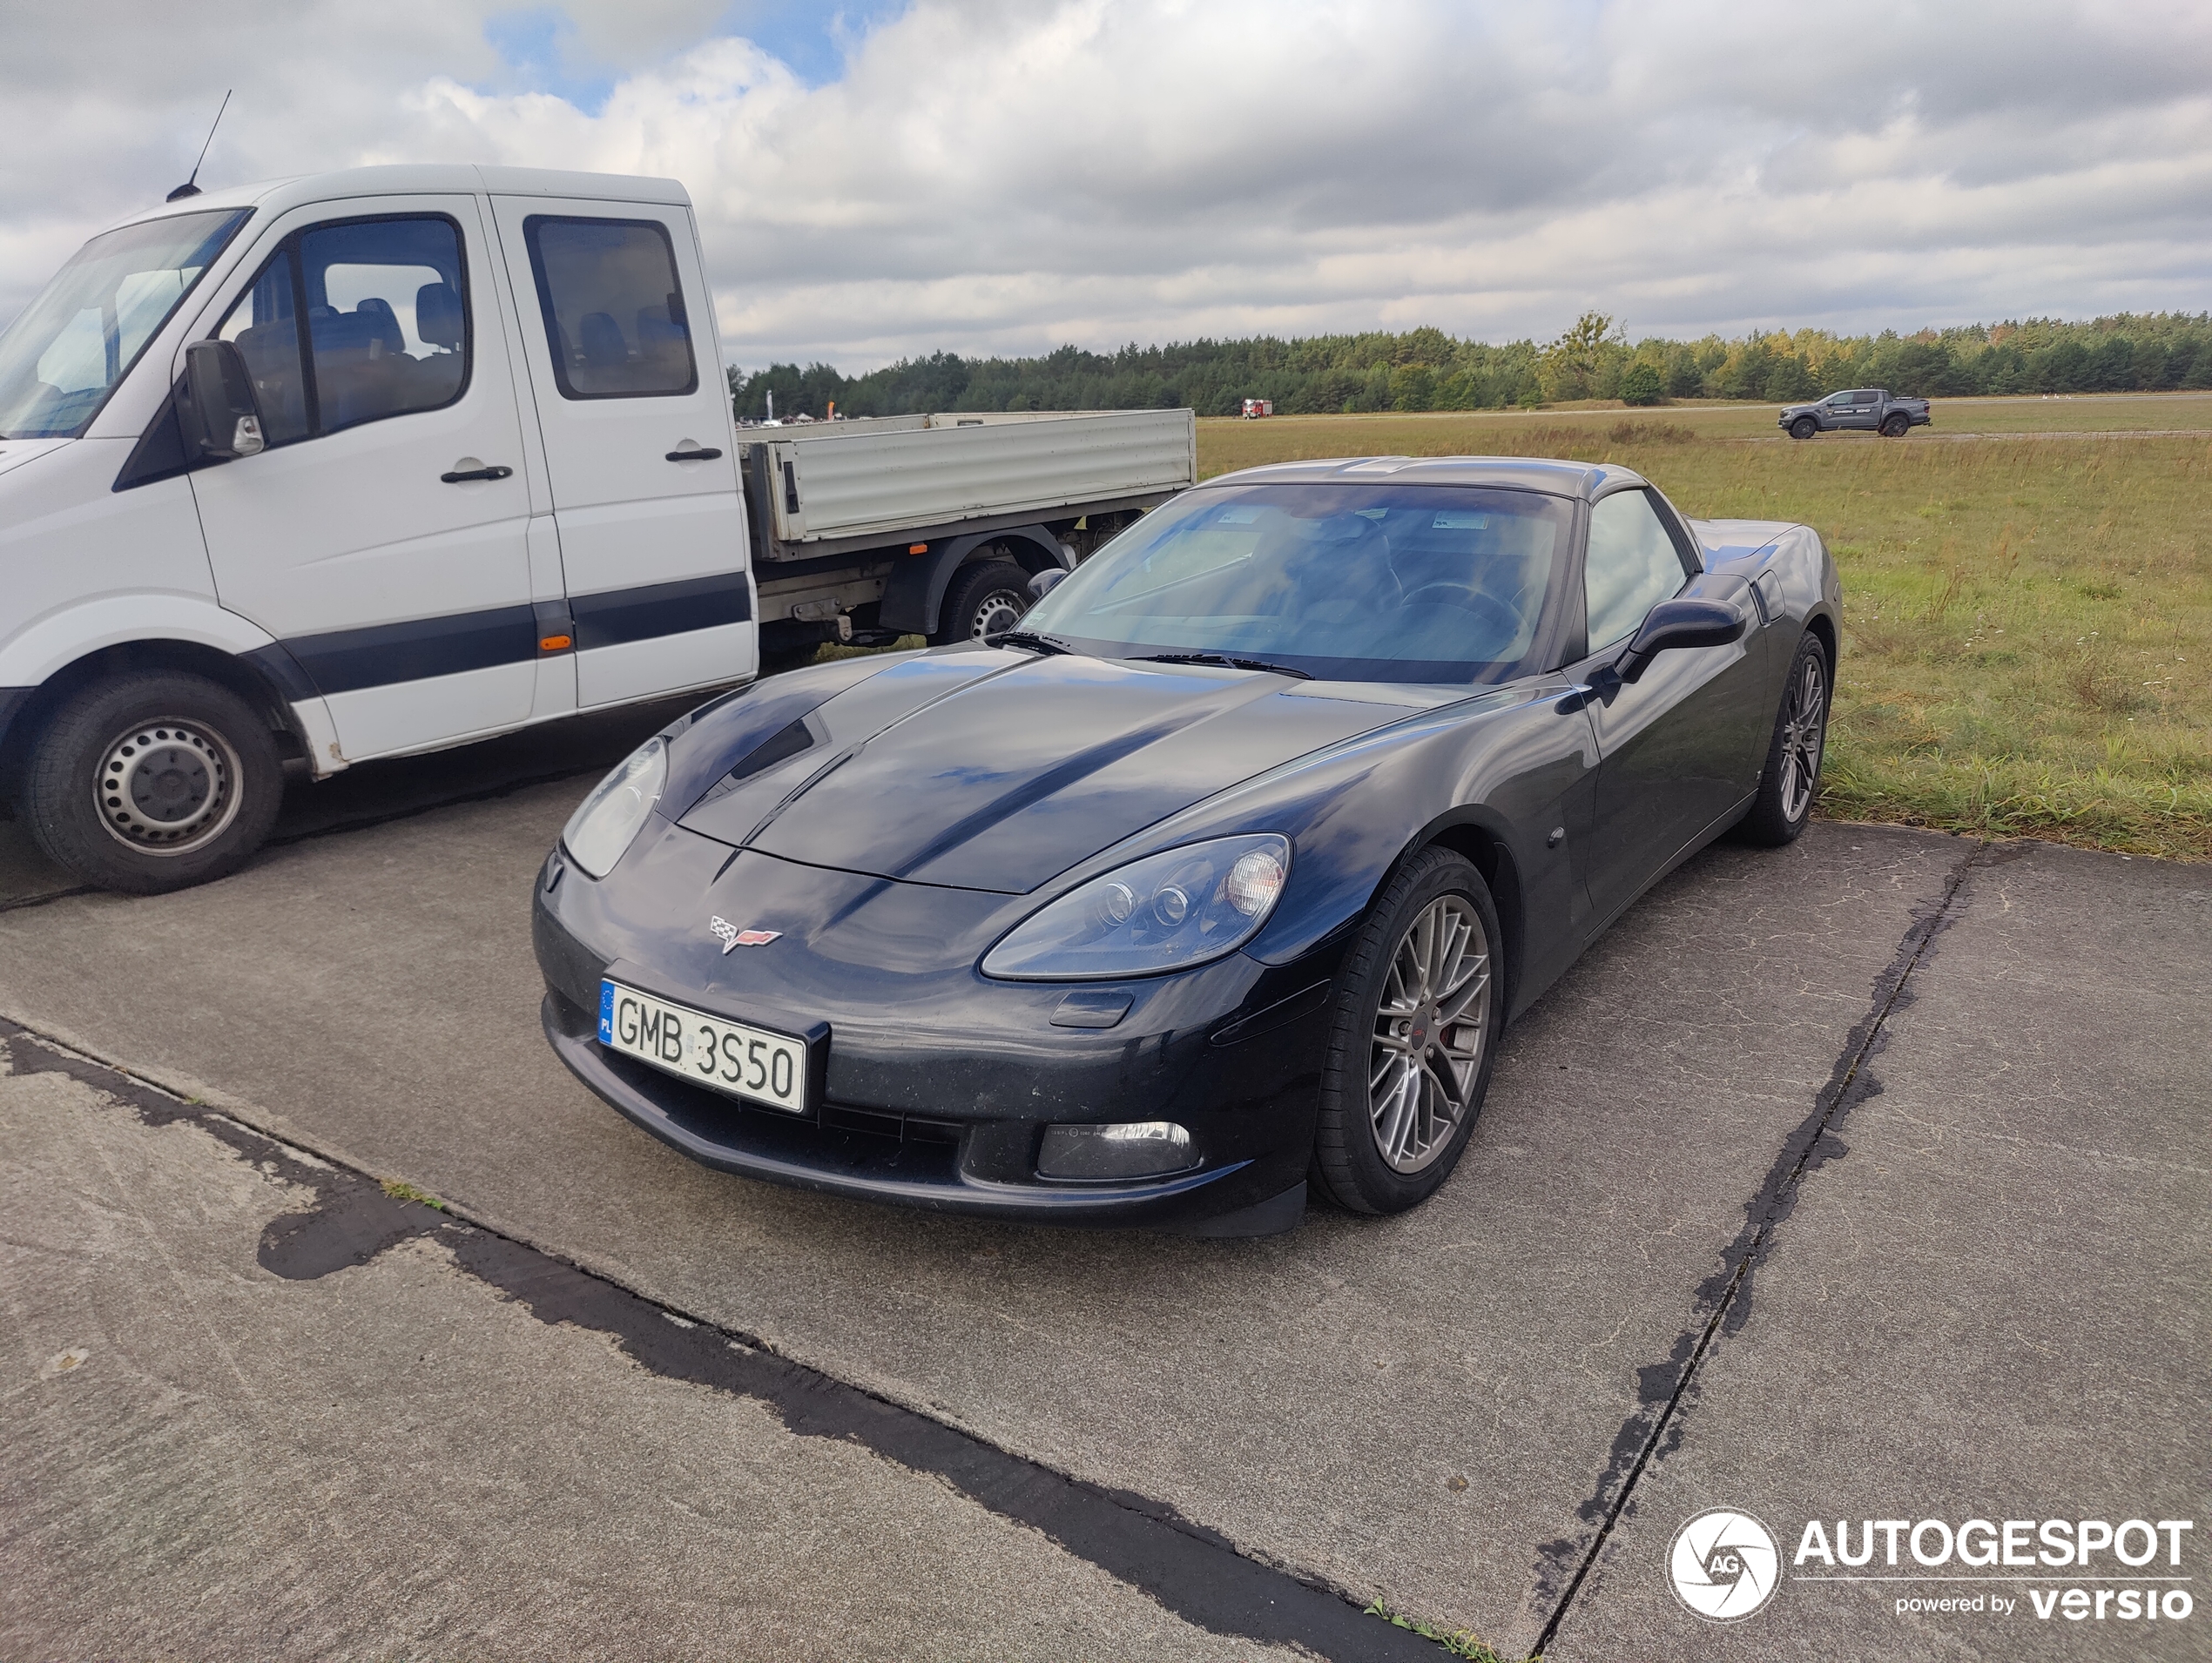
167 787
1429 1034
1804 731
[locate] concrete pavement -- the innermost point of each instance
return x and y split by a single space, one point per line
1446 1412
221 1448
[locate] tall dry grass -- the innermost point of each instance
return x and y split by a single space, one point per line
2027 622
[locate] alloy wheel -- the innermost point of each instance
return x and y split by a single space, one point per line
1429 1033
1805 732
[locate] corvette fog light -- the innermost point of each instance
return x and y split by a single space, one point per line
1117 1149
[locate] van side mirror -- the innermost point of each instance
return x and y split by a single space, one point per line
1041 584
217 409
1679 623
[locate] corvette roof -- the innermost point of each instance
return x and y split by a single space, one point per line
1582 480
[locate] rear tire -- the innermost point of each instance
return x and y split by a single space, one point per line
1791 780
1803 427
153 781
1413 1033
1893 426
983 599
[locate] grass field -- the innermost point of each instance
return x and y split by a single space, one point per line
2027 617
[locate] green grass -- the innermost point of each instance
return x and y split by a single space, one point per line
1464 1643
399 1189
2027 620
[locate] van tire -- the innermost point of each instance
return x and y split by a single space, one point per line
983 598
184 760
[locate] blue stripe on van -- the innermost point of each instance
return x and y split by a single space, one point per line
344 661
616 616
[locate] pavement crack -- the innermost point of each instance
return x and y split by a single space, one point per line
1190 1569
1724 1299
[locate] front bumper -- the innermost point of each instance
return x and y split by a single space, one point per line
937 1086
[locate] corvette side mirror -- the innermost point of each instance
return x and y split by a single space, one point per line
217 409
1041 585
1679 623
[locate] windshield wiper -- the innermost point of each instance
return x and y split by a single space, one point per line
1032 640
1224 660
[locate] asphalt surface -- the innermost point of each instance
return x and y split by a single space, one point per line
1862 1179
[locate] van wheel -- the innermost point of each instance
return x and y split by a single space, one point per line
153 781
983 600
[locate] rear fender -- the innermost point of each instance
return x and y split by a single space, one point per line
915 595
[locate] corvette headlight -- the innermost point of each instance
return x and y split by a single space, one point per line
1167 912
606 822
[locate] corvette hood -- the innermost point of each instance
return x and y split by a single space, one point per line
994 771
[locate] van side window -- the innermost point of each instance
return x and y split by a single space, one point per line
264 326
613 307
388 317
1632 565
386 310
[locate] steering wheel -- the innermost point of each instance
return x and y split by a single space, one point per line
1486 607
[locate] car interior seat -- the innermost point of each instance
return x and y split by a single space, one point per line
605 350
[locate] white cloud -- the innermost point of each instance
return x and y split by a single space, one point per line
1005 175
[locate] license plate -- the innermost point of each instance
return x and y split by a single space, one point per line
747 1062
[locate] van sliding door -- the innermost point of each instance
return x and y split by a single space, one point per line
618 334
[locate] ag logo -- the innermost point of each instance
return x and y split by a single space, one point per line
1724 1564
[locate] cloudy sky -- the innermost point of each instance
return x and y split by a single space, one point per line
891 176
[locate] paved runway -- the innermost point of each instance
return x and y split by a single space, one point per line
1861 1178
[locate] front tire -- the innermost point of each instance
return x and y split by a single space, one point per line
1803 427
1792 780
984 599
153 781
1414 1027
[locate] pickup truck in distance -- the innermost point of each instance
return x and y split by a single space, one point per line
1863 409
368 463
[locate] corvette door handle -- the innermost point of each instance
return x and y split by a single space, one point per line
697 454
469 468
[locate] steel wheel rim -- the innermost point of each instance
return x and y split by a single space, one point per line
167 787
1805 729
1430 1032
995 613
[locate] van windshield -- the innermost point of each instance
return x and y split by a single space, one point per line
74 344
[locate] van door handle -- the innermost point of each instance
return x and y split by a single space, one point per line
469 468
697 454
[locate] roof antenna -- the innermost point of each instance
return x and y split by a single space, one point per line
188 188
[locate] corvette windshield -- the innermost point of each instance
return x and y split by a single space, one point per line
1345 583
62 357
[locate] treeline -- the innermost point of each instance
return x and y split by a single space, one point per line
1426 369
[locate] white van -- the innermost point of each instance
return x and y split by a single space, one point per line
380 461
351 467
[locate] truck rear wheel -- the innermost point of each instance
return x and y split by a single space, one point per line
1894 426
983 599
1803 427
153 781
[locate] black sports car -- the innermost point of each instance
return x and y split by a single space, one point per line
1219 875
